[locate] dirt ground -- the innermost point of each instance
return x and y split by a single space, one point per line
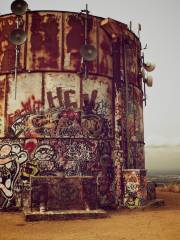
151 224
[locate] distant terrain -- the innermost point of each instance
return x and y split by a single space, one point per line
164 176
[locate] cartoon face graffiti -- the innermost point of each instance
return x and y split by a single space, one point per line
45 157
11 157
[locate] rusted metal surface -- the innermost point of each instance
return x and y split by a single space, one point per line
74 39
2 104
105 53
62 91
59 193
31 116
29 100
97 93
7 49
131 61
54 41
138 112
44 41
62 120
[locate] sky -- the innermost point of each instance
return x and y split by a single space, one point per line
160 30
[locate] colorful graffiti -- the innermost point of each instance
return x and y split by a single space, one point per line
31 105
61 121
45 157
11 158
135 188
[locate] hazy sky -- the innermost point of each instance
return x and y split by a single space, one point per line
160 30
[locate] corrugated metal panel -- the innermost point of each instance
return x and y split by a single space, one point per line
7 49
74 39
131 61
138 111
62 91
92 39
44 41
61 115
130 115
29 100
97 93
2 104
105 53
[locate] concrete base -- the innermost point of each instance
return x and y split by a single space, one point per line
153 203
64 215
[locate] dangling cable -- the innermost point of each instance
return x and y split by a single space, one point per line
85 39
16 63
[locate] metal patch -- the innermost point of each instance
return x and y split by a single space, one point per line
74 39
29 100
105 53
97 102
7 49
44 41
2 104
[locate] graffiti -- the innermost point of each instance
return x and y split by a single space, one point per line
77 155
102 107
104 152
51 157
135 194
45 157
92 125
29 170
131 199
69 124
105 187
32 105
11 157
61 123
89 103
19 126
67 101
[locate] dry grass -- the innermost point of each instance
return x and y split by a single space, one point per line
171 187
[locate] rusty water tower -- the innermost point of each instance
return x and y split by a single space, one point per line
71 102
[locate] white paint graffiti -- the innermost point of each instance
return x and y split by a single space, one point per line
11 157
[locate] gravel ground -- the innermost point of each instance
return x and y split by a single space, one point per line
151 224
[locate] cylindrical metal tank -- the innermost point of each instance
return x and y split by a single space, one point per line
60 120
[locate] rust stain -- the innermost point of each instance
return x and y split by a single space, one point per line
44 41
2 104
105 53
74 31
7 50
104 61
2 89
